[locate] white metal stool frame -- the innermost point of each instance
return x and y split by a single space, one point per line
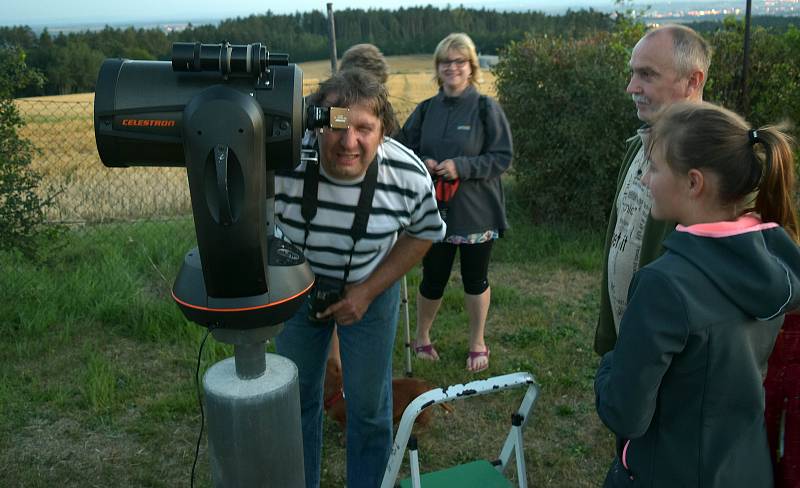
458 392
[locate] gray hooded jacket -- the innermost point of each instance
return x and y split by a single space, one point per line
682 390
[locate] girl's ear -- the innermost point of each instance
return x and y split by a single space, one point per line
696 182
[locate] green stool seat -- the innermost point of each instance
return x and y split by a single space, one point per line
477 474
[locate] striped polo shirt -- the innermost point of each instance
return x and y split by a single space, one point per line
404 200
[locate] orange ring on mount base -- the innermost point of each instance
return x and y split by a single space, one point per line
244 309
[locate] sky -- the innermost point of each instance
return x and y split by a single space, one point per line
64 12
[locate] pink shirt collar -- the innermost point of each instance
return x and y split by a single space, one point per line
744 224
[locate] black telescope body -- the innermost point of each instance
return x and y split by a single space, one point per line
231 114
139 104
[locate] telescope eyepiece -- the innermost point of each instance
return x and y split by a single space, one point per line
225 59
318 117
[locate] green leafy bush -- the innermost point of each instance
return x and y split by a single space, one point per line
21 207
570 118
773 79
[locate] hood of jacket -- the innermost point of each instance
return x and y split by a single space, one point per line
755 264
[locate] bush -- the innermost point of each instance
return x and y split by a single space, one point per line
570 115
566 103
773 79
21 207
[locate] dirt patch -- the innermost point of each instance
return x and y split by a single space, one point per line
550 284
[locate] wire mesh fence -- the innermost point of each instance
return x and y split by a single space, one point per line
86 192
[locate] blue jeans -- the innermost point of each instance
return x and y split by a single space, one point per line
366 349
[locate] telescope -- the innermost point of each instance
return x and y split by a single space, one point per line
232 115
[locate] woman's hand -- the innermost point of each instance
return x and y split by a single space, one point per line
447 170
431 165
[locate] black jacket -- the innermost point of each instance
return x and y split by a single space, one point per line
684 382
451 127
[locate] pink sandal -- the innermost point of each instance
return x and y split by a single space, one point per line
473 355
426 352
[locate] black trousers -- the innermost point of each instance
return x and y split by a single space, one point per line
438 263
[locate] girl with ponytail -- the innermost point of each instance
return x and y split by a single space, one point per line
682 390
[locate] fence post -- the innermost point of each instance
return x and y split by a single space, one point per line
332 38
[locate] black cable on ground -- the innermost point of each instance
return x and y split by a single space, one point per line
200 402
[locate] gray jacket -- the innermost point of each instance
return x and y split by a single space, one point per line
684 382
451 127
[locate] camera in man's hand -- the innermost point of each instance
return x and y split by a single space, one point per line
326 292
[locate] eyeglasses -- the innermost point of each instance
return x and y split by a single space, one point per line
458 63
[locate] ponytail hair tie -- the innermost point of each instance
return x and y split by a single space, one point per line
752 134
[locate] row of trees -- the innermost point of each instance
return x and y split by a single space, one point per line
70 62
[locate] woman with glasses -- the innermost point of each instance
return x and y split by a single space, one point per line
465 141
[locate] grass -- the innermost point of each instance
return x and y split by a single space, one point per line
98 385
98 388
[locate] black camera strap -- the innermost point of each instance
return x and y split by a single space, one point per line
310 202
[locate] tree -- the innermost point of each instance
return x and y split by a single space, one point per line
75 67
21 207
773 77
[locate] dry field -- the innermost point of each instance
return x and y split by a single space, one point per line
61 129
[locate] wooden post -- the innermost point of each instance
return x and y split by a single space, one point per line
332 38
745 102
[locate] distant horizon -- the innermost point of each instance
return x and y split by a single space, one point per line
95 14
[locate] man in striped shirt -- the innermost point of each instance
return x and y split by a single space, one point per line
403 222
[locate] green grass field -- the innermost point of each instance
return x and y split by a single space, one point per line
98 385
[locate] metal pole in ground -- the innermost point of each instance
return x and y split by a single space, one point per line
745 102
408 328
332 38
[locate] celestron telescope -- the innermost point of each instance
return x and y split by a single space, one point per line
232 115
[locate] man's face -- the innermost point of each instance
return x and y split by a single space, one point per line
654 81
347 153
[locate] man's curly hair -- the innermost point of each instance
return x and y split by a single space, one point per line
356 86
